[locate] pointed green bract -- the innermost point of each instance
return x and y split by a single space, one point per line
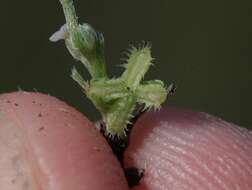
152 94
118 116
78 78
115 98
137 65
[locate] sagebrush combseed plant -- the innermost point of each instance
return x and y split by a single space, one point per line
115 98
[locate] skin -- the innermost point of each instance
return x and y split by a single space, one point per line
49 145
185 150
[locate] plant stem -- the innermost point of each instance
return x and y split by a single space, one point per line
70 15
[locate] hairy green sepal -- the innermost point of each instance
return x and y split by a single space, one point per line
115 98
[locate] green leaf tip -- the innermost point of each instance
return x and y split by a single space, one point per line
115 98
138 63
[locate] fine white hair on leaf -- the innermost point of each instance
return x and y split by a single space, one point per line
60 34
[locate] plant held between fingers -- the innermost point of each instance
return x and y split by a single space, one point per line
115 98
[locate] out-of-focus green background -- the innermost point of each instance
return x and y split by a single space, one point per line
205 47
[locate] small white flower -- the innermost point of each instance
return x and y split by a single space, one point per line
61 34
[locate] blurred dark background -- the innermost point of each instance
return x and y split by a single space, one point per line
202 46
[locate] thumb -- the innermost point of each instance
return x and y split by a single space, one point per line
181 149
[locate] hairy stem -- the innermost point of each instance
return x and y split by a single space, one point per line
70 15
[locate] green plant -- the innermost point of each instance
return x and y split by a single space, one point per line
115 98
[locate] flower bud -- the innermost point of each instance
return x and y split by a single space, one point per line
85 39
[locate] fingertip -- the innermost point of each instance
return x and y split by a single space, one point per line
180 149
54 147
